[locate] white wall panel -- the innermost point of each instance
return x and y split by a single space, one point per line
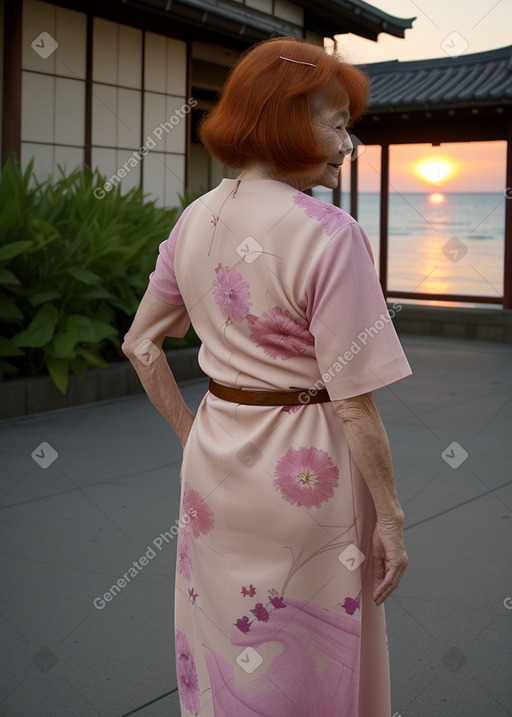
43 159
176 83
68 158
37 103
155 63
105 160
130 57
38 17
164 177
132 174
69 111
176 119
154 114
104 56
71 34
104 115
174 179
128 118
165 65
153 177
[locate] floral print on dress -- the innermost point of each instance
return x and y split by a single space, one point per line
307 632
279 333
231 293
184 559
188 683
306 476
330 216
201 517
261 612
350 605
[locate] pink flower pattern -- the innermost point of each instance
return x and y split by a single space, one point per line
333 218
231 293
188 683
184 559
279 333
350 605
260 612
201 517
306 476
250 591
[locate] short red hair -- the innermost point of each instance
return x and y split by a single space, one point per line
263 114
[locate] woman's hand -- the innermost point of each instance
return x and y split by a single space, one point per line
389 558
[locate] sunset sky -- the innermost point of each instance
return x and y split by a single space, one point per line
485 25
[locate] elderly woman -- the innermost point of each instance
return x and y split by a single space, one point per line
290 532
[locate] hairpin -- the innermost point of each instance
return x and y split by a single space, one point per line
297 62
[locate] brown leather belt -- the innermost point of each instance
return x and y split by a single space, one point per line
248 397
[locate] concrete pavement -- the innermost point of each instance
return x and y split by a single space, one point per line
85 491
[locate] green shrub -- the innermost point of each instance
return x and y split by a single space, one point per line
73 269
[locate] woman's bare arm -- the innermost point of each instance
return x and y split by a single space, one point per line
154 321
369 445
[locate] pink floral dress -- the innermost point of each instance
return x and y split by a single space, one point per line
274 577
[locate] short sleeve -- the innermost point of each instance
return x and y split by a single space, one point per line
356 345
162 281
164 286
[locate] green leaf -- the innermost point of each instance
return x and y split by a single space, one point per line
97 292
8 309
89 330
84 275
7 348
43 296
7 277
79 367
91 358
40 329
10 250
63 344
58 370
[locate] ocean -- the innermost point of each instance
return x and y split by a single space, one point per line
438 242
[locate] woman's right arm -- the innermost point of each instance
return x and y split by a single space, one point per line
369 445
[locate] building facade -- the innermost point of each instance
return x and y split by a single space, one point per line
120 86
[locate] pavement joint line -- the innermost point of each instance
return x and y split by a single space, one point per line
422 691
151 702
89 485
492 490
81 695
485 628
80 570
492 419
455 507
493 697
418 622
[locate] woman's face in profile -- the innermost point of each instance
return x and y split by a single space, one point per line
330 130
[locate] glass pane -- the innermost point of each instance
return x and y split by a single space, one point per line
446 218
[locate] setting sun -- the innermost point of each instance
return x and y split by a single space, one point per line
435 169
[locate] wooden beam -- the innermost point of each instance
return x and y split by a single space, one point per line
384 218
88 91
353 188
507 280
11 103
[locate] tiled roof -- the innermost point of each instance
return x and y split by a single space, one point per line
469 80
325 17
